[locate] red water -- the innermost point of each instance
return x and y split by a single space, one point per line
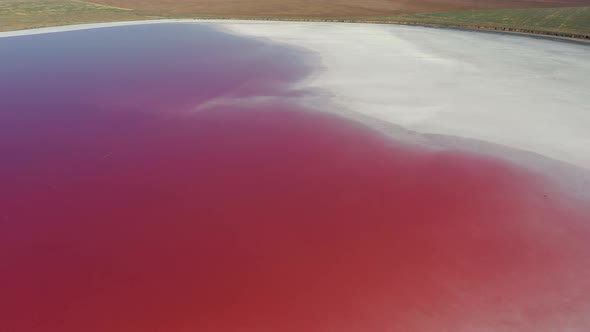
262 216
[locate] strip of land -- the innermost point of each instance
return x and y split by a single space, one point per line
327 8
30 14
566 22
561 21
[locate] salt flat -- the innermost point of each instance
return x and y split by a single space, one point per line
525 93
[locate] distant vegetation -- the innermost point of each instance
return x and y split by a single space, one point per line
566 20
327 8
24 14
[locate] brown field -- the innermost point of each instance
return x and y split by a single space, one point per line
326 8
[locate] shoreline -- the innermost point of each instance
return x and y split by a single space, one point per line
545 35
514 31
538 157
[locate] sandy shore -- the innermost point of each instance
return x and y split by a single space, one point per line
524 99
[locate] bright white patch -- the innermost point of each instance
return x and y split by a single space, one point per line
525 93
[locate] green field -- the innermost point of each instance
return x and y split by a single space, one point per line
565 20
26 14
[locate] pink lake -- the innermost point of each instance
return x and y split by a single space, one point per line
166 178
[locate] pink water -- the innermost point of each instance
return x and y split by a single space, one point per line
143 189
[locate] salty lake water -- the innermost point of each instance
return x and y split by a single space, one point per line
166 178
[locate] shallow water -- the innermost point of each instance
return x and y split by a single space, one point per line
164 178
